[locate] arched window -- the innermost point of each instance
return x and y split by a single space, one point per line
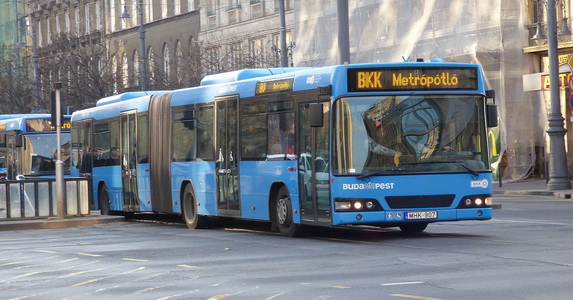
150 65
166 61
135 68
124 71
177 61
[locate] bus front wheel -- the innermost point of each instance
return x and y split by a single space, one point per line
413 227
284 217
189 210
103 200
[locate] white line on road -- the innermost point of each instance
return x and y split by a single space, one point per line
402 283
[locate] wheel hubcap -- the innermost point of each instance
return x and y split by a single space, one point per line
282 211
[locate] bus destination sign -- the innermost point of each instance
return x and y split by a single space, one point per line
39 125
272 86
412 79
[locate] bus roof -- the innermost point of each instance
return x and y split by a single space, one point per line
126 96
239 75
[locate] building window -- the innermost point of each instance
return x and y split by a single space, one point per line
97 8
48 31
257 52
39 38
77 20
166 62
87 18
67 21
177 7
164 9
57 24
135 64
190 5
124 71
178 58
112 15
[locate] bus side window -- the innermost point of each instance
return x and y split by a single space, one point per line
281 135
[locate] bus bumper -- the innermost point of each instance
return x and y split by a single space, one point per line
397 217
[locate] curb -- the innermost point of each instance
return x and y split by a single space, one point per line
53 223
561 195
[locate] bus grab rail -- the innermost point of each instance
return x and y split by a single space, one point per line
36 198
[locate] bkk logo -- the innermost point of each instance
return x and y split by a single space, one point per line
480 183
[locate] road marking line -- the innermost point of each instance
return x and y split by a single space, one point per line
402 283
274 296
189 266
91 281
81 272
134 259
47 251
26 275
414 297
217 297
67 260
146 290
88 254
339 287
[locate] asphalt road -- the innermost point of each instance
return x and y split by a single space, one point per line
526 252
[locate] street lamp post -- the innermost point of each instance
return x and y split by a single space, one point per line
558 173
142 56
35 61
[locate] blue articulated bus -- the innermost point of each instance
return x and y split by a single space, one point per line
388 145
28 145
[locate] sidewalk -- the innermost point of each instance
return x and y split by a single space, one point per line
50 223
529 187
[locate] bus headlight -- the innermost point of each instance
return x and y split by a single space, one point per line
476 201
356 204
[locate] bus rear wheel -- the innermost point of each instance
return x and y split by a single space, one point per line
189 210
103 200
284 217
413 227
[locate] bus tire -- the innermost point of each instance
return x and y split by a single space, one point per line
189 210
284 215
103 200
413 227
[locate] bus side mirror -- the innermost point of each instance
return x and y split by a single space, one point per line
491 115
316 114
18 141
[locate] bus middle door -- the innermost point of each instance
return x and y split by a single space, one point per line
129 161
227 166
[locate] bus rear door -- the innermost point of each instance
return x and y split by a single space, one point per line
227 166
129 160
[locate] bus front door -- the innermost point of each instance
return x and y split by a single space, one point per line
227 160
314 167
129 161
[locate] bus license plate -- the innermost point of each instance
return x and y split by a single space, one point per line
421 215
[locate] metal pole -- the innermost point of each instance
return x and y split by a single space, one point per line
35 60
343 34
143 56
60 187
558 173
282 12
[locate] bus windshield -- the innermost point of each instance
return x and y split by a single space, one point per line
40 153
388 135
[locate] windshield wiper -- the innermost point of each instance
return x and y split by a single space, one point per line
459 163
379 172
